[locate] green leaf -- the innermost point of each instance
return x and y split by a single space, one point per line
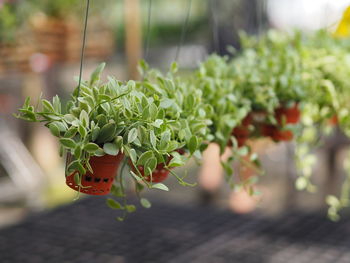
54 129
157 123
160 186
72 131
119 142
77 166
145 203
144 157
84 118
91 147
193 144
114 204
95 132
150 165
95 76
174 67
77 152
176 162
68 143
130 208
106 134
166 103
132 135
82 131
153 111
117 191
100 152
47 106
243 151
133 155
111 149
56 104
153 139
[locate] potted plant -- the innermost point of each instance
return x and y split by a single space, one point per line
182 103
103 122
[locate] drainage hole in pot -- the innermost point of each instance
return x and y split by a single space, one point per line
105 180
88 178
97 180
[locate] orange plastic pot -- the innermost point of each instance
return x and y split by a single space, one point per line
276 133
159 174
247 120
241 134
101 180
333 121
288 115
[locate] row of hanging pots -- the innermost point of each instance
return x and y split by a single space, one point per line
283 115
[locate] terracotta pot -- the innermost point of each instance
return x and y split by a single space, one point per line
333 121
280 135
288 115
241 134
247 120
101 180
159 174
276 133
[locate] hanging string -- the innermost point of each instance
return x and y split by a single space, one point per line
68 156
258 16
148 32
215 25
83 45
260 12
184 29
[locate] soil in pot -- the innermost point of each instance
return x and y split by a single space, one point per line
286 115
101 180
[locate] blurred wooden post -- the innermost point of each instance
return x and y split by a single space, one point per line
133 44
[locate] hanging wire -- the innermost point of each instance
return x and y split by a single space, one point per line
260 12
83 45
148 32
184 29
68 156
215 24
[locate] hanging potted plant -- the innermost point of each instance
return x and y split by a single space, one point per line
186 133
280 69
103 122
229 109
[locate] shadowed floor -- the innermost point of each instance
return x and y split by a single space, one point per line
87 232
